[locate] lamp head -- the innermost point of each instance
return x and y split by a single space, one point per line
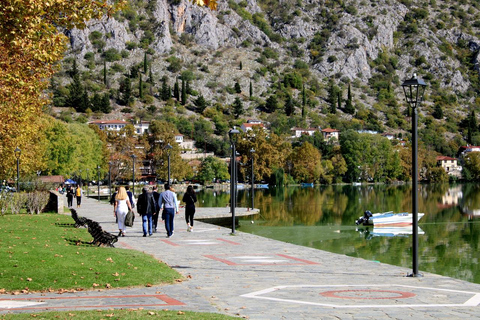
252 150
414 89
233 134
18 152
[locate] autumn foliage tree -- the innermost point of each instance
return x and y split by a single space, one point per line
31 44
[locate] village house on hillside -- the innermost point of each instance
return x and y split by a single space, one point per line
450 165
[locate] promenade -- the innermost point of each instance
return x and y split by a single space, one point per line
258 278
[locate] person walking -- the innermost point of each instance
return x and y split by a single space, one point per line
146 207
156 196
70 197
120 209
168 200
189 198
130 196
78 195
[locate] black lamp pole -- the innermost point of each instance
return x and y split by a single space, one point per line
169 149
133 174
98 182
233 175
110 179
252 180
87 184
18 153
414 90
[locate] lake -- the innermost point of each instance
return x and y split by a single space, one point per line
324 218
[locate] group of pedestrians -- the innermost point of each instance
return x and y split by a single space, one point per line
149 206
74 193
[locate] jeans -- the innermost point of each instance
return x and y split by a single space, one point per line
147 218
169 215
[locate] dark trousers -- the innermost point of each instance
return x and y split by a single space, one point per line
79 201
169 216
189 213
155 221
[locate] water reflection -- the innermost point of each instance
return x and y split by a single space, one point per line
324 218
370 232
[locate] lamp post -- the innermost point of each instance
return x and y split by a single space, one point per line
87 184
18 153
98 183
414 90
133 174
110 179
252 180
233 175
169 149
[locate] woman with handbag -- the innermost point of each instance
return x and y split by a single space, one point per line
120 209
189 198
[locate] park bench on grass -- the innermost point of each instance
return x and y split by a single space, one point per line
100 236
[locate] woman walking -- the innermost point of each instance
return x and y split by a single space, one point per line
120 209
189 198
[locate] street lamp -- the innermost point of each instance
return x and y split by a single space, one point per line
87 184
414 90
168 147
252 180
110 179
18 153
233 175
98 182
133 174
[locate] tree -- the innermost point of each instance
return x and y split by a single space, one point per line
75 90
438 112
176 91
145 63
165 93
104 72
349 108
140 86
212 168
306 160
237 107
289 106
333 96
201 104
237 87
105 106
126 91
472 164
271 104
251 89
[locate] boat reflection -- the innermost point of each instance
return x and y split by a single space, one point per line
402 231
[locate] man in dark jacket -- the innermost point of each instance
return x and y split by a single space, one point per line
156 196
146 207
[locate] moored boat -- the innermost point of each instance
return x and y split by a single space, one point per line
387 218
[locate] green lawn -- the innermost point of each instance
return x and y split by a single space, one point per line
131 314
46 252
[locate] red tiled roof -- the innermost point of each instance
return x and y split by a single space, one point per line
330 130
110 122
445 158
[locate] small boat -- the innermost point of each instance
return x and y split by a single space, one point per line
261 186
387 219
307 184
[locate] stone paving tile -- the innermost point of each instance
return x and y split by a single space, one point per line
258 278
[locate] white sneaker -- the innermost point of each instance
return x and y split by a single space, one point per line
191 229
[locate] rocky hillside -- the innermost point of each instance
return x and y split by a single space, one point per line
266 48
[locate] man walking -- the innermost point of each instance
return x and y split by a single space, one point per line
146 207
169 201
156 196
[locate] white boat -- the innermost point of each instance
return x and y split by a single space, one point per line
387 219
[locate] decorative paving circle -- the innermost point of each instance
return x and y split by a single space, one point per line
367 294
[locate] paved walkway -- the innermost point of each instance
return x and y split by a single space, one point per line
258 278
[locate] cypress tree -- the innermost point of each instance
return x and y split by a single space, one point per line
165 91
237 87
438 112
348 104
304 101
140 86
339 100
145 63
188 89
184 93
75 90
333 96
241 65
251 89
176 91
104 72
105 106
237 107
126 91
150 81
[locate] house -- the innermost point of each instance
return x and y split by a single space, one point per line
298 132
389 136
464 150
248 126
141 127
450 165
115 125
329 134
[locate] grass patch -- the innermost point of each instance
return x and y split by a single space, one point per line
47 253
127 314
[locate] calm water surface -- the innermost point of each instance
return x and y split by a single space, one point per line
324 218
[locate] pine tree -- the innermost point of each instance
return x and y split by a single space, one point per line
184 93
237 107
75 89
84 102
438 112
201 104
176 91
237 87
271 103
339 100
165 91
126 90
289 106
96 102
104 72
145 63
348 104
105 106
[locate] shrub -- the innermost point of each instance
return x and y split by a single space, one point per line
37 201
